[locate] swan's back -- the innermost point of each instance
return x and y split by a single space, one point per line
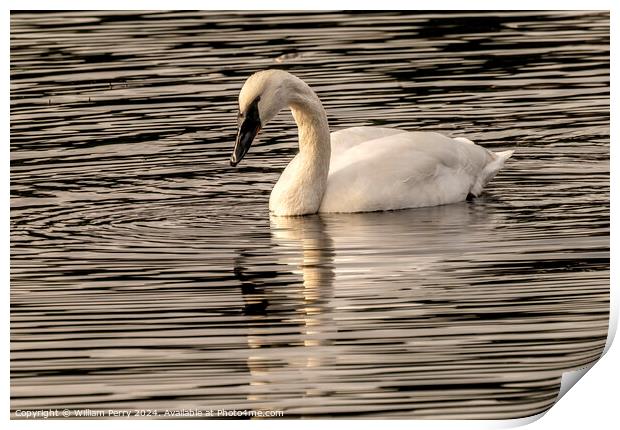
347 138
374 168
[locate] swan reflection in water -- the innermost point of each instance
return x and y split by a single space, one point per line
300 312
360 274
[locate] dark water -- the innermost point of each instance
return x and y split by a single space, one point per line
147 273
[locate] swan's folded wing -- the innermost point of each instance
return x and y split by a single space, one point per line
408 169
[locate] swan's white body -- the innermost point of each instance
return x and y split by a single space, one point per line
364 169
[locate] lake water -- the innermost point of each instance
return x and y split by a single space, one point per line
147 273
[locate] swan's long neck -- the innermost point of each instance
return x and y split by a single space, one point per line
300 189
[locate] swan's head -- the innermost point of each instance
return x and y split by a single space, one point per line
263 95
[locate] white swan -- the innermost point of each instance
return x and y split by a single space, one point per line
359 169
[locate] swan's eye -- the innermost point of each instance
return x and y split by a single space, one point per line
251 111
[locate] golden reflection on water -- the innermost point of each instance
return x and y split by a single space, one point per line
312 257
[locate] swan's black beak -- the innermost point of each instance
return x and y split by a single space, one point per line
245 136
249 127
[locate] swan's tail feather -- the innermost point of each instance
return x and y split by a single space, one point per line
490 170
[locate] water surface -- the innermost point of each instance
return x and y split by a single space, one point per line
147 273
